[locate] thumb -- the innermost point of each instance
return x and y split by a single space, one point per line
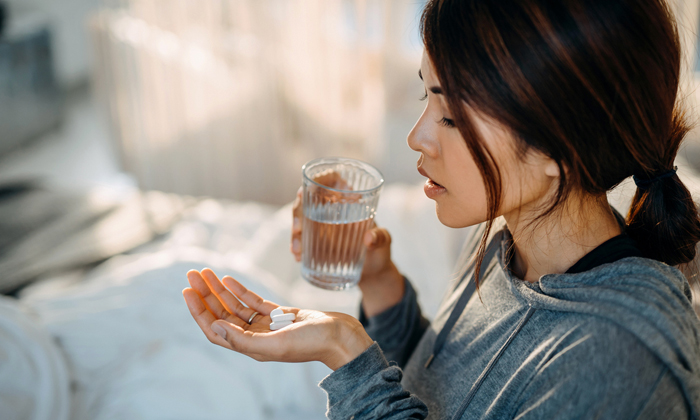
259 346
377 238
232 334
219 329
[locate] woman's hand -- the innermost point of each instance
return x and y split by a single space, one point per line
329 337
381 282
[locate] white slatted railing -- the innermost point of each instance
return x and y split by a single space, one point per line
229 98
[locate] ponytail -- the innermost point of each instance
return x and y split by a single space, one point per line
663 219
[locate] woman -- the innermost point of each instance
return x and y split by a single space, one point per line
535 110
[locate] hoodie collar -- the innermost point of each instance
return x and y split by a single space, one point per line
647 298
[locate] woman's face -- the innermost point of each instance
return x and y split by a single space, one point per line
454 180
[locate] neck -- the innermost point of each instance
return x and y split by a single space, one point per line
555 244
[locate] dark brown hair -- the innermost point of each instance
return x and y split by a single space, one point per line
592 84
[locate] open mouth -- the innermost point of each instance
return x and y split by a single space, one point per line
435 183
432 188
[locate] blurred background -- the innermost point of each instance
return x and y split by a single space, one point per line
218 98
143 138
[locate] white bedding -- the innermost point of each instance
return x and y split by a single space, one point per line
34 380
133 351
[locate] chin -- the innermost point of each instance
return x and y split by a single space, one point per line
456 218
448 218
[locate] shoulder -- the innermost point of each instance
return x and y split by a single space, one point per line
632 268
591 366
598 343
642 295
630 271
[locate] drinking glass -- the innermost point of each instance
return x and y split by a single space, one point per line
340 200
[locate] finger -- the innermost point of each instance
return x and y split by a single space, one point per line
260 346
297 219
211 300
233 306
203 289
295 247
295 244
377 238
249 298
369 236
332 179
298 201
297 212
203 317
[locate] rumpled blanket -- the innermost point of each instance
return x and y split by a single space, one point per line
34 375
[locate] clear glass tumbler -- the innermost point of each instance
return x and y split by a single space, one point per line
340 200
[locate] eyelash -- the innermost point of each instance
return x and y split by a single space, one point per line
444 121
447 122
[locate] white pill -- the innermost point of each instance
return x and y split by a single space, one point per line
278 325
276 311
284 317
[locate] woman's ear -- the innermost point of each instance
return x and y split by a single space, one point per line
551 168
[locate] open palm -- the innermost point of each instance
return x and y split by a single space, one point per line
218 308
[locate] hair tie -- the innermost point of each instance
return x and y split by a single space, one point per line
644 184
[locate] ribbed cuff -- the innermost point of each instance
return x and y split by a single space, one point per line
354 374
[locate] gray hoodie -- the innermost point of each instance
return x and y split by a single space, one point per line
620 341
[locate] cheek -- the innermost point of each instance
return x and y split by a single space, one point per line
465 203
523 184
469 185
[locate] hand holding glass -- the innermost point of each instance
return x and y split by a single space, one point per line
340 199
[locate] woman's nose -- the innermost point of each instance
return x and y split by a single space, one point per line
422 137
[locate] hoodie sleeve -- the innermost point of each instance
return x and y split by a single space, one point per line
398 329
369 388
588 377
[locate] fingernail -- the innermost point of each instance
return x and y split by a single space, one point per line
218 329
296 225
374 237
296 246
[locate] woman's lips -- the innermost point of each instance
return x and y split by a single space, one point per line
432 189
434 183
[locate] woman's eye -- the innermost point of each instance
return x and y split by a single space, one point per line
424 97
447 122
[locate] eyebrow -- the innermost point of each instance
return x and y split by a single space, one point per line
435 89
